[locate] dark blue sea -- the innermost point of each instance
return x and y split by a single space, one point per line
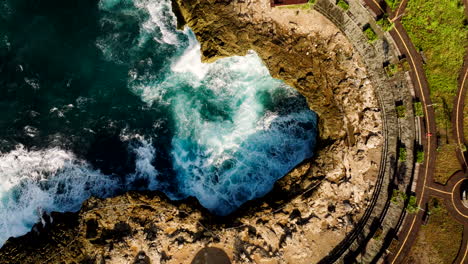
101 97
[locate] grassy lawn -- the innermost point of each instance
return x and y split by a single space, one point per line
393 4
447 163
439 30
439 240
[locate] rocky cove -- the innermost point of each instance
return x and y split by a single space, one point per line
309 211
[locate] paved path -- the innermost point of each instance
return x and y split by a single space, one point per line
425 186
413 221
457 119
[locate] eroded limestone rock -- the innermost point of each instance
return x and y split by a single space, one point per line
308 212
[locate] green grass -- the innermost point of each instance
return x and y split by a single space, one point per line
418 111
420 156
412 206
385 24
343 4
393 3
439 240
401 111
398 196
446 162
391 70
437 28
370 34
402 154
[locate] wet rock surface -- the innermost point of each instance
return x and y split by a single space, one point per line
308 212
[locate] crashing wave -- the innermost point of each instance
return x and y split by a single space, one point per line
234 129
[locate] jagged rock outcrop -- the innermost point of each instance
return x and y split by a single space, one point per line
308 212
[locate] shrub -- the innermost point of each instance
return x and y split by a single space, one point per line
412 206
420 156
418 111
393 3
391 70
397 196
402 154
370 34
343 4
385 24
401 111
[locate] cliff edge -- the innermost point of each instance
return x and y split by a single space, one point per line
309 211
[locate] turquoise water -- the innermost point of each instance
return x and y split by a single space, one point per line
101 97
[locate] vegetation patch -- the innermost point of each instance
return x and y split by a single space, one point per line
439 240
343 4
391 70
402 154
393 3
412 206
398 196
385 24
418 111
420 156
401 111
370 34
439 31
447 163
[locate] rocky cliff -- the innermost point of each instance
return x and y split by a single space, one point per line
308 212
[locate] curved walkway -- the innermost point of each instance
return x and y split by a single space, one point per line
457 119
425 186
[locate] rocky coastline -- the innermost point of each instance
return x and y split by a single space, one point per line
308 212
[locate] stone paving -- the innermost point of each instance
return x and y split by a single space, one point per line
383 217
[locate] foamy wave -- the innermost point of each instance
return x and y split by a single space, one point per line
55 180
161 18
228 147
45 180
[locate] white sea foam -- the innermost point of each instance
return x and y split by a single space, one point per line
48 180
161 19
228 146
45 180
190 61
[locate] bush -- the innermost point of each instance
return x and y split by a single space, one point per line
402 154
412 206
391 70
393 3
397 196
343 4
401 111
418 111
420 156
385 24
370 34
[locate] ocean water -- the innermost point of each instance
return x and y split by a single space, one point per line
101 97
